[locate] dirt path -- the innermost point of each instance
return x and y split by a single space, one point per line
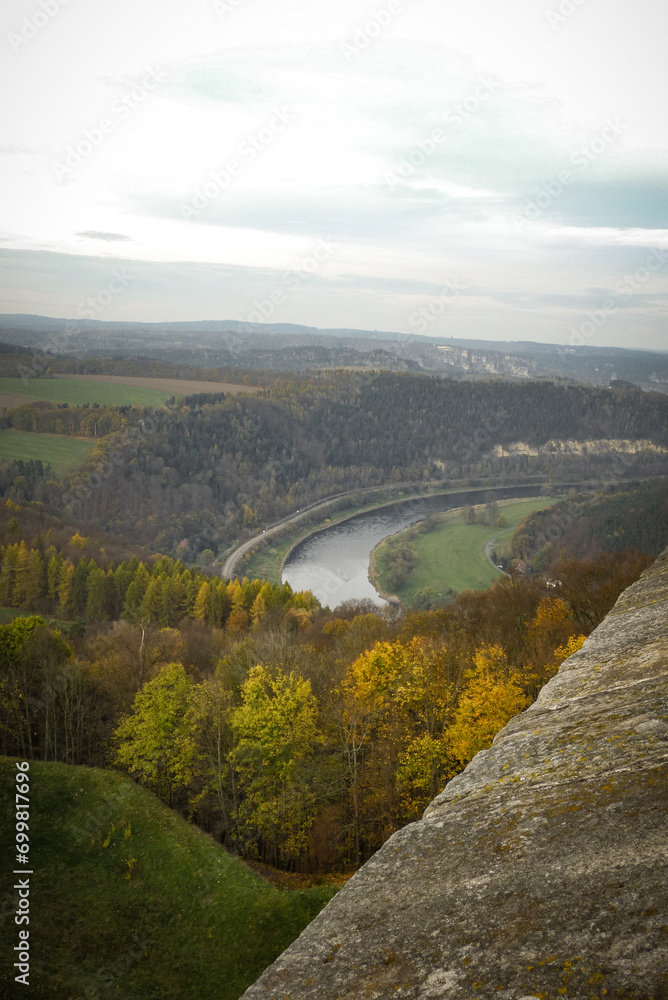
488 548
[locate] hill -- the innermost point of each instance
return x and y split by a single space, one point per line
630 516
208 469
129 898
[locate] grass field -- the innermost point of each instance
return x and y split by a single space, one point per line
130 900
60 451
71 390
452 555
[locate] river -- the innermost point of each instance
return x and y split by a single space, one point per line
334 563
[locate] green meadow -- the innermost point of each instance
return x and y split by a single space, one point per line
71 390
451 557
61 452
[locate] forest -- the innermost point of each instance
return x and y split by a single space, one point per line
632 515
204 472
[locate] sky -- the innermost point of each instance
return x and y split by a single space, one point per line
454 168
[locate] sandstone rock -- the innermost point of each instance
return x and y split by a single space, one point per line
541 870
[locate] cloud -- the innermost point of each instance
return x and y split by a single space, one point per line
411 158
92 234
402 140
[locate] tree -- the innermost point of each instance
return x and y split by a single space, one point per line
155 741
493 695
202 606
10 558
41 693
209 717
396 699
78 592
96 601
151 602
52 574
135 592
276 733
65 577
123 660
29 579
591 586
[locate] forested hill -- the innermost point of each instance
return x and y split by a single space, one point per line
634 516
201 473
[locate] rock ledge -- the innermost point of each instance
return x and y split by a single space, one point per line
541 870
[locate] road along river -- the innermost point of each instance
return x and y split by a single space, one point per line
334 562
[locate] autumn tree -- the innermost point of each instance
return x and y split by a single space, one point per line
396 699
154 742
215 799
493 695
121 661
276 734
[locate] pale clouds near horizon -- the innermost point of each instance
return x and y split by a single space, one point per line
385 154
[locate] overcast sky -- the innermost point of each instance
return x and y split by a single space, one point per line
478 168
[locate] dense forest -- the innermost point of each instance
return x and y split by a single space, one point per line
24 362
205 472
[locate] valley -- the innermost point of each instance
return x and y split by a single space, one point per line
178 697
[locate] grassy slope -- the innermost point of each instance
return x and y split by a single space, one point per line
60 451
453 554
65 390
206 925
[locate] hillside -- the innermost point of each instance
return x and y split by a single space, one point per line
130 900
631 516
206 473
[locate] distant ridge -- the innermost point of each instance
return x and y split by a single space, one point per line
297 348
29 321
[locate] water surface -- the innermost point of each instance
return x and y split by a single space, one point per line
334 564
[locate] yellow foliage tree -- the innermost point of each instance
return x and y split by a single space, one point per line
492 696
202 602
276 734
562 653
396 700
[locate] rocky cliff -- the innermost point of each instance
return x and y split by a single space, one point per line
541 870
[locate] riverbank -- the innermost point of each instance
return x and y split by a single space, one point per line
268 553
